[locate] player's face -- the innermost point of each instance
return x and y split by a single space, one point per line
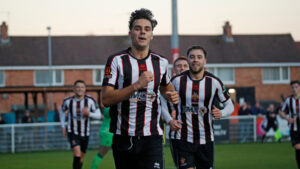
181 66
196 60
141 34
296 89
79 89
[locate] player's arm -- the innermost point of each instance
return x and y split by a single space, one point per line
284 116
62 117
224 98
93 111
96 114
174 124
164 110
283 110
111 96
226 111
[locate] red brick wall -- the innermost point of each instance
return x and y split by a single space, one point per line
252 77
19 78
26 78
72 75
244 77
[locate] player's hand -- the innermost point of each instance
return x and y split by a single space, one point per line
217 114
64 132
172 96
175 125
86 111
291 120
173 114
66 113
143 81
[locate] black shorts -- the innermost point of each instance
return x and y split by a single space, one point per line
200 156
174 151
76 140
138 152
271 125
295 137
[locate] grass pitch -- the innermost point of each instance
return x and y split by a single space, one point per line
227 156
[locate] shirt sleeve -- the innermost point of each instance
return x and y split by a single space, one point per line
285 105
166 76
164 110
228 108
111 72
95 112
62 115
223 94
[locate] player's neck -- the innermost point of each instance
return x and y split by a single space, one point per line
297 95
197 76
79 97
139 54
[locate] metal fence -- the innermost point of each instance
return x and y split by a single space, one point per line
48 136
39 137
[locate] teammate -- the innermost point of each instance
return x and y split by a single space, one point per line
133 82
80 108
105 136
197 90
292 107
180 65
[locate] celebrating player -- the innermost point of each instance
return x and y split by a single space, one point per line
197 90
79 108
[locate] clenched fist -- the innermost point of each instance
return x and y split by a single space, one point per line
143 81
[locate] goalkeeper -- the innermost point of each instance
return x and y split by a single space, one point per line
105 137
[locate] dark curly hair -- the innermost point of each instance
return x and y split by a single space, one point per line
142 14
194 48
295 82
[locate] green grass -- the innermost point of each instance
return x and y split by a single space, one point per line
227 156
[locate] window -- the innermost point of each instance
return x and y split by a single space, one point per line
2 78
41 78
226 74
98 76
276 75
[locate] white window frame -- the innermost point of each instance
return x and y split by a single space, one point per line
216 73
54 83
280 81
94 76
3 84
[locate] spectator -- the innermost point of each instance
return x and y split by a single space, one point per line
56 113
27 117
244 126
1 120
258 110
27 138
244 110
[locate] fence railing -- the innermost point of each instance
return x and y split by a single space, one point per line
48 136
39 137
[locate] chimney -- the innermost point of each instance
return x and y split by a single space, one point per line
4 33
227 33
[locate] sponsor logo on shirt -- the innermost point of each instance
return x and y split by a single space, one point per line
143 96
194 110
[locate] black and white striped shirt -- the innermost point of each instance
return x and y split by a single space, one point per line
292 107
77 122
140 114
195 105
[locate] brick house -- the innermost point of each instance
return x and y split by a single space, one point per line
258 67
